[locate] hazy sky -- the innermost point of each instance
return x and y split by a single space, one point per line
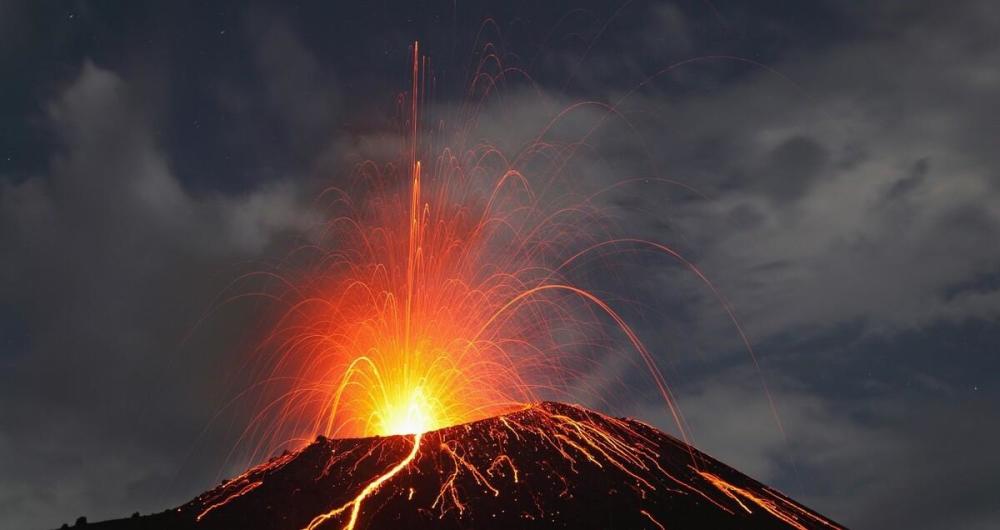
846 154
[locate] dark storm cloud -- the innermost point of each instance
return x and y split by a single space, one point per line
853 191
869 462
295 83
791 167
814 162
861 201
108 261
850 195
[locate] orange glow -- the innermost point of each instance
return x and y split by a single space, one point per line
438 294
407 349
438 302
370 488
790 513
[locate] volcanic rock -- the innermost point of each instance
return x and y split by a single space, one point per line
550 465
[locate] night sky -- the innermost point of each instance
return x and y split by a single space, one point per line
846 155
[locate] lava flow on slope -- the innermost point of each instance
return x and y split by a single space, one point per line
548 465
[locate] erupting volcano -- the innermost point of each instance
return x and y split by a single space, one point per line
549 465
434 317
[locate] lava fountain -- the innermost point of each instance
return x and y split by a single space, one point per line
444 300
437 295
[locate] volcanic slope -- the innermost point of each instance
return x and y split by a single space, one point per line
549 465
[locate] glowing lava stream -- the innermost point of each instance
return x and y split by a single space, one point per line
783 511
372 487
417 415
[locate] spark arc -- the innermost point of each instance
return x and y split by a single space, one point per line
437 295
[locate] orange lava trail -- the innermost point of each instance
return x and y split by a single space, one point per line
651 518
372 487
239 486
241 492
786 512
510 458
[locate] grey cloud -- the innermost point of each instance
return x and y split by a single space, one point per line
853 204
295 81
827 179
667 32
791 167
847 253
862 195
870 462
908 184
96 257
299 92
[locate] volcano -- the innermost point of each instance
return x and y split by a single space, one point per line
548 465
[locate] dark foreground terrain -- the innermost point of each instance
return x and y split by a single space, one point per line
547 466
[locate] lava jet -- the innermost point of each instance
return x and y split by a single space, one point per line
548 465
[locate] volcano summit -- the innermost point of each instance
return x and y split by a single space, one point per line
548 465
